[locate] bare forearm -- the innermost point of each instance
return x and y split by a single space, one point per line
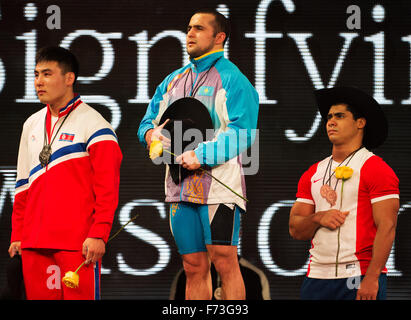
304 227
383 241
385 219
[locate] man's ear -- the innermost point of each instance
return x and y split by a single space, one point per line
220 37
70 77
361 122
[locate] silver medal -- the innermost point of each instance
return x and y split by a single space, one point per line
44 155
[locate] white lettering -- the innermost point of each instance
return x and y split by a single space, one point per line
7 188
108 51
379 48
301 42
405 39
143 47
2 75
263 243
146 236
31 44
260 35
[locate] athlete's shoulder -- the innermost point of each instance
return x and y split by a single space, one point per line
87 110
232 77
38 115
376 165
228 69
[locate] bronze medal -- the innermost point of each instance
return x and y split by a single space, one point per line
328 194
324 190
331 197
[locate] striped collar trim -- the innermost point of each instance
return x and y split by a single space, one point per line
73 103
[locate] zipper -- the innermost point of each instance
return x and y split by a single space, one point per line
49 136
195 80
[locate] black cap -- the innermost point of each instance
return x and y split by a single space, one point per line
192 114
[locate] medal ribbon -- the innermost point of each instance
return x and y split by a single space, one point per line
326 191
46 151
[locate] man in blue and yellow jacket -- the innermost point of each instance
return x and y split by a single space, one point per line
204 215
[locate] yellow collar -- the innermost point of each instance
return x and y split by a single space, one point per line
208 53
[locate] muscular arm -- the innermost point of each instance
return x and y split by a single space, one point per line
385 219
304 222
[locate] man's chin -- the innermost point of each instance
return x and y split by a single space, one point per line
43 100
333 140
194 53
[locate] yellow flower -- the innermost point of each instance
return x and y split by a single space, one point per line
71 279
343 172
156 149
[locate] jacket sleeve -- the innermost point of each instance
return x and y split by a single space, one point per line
105 158
150 119
237 104
22 182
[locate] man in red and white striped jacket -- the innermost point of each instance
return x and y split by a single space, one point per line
350 221
68 173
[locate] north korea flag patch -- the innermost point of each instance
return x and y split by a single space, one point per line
69 137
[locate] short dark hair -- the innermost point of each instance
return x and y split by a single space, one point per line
66 60
353 109
221 23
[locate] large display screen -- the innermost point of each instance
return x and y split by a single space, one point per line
286 48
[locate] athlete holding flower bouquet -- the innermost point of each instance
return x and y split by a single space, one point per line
347 204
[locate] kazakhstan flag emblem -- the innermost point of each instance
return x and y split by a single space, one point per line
205 91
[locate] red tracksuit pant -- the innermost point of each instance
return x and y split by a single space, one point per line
43 270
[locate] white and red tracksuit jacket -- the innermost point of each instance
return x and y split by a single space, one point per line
372 181
75 196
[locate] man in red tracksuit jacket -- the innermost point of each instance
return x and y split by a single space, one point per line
68 175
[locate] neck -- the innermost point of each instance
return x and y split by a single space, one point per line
341 152
208 53
55 107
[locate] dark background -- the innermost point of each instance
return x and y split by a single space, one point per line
142 262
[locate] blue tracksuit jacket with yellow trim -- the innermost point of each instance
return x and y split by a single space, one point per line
233 105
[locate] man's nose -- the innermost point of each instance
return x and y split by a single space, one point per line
331 122
38 81
190 33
